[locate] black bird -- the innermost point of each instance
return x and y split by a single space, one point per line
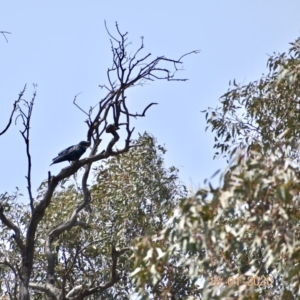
72 153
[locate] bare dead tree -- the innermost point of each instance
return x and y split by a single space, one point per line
106 117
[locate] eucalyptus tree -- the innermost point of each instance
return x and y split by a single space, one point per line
240 240
132 195
21 233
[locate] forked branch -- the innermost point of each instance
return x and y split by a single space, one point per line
4 34
127 71
15 107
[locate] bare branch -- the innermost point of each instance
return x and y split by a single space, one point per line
4 34
143 113
186 54
15 228
109 32
49 290
26 118
74 102
8 264
74 291
15 106
114 275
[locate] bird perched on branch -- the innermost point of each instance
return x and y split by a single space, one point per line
72 153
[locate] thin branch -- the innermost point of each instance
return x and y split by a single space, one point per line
109 32
143 113
114 275
74 291
4 34
186 54
26 118
8 264
74 102
15 228
15 106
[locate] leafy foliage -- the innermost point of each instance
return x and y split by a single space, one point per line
260 112
132 195
241 240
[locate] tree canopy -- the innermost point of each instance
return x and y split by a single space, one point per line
73 240
133 195
240 240
133 231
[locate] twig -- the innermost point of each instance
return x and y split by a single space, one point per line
4 34
114 275
15 106
74 102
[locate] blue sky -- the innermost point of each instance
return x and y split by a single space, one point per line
63 47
